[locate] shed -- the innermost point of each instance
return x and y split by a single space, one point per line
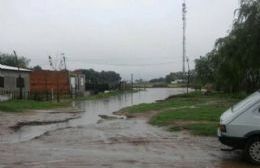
47 81
10 82
77 83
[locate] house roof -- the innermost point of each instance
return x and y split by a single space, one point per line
11 68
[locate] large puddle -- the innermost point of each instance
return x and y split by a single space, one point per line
91 111
87 142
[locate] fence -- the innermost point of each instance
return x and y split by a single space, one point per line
39 96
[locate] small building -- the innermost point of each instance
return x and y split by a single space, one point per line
53 82
10 83
47 81
77 83
177 81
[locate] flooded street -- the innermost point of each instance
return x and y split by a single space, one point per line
90 141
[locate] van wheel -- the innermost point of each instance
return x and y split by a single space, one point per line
252 150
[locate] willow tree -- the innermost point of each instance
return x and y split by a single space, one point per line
234 63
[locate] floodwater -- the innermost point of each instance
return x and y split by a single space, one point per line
107 106
91 111
92 142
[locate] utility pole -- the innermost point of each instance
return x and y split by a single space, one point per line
19 81
184 11
132 81
188 76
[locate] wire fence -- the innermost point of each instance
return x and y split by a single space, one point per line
28 95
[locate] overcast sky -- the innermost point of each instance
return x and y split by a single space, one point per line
127 36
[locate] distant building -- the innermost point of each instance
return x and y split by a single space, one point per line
10 83
178 81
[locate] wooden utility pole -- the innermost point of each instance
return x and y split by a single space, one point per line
19 80
132 81
188 75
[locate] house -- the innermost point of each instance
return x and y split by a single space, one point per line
13 81
49 82
53 82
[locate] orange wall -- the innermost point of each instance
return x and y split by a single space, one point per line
43 80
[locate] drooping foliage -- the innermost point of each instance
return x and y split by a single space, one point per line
234 63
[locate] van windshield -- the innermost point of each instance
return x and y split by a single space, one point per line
246 103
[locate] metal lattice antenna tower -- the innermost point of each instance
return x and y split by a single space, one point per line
184 11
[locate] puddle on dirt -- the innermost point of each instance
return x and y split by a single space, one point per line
92 109
85 142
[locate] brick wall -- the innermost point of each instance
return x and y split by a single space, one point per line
42 81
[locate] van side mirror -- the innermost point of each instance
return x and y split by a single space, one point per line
259 110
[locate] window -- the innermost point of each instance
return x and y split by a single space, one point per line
246 103
2 82
73 82
20 82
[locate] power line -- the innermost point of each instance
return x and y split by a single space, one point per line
129 65
84 61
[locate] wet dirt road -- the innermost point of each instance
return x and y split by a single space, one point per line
119 143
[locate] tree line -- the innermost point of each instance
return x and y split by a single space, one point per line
92 76
103 77
233 65
12 60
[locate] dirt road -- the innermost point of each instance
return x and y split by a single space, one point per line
92 142
118 143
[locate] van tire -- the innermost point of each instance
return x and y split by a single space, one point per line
252 150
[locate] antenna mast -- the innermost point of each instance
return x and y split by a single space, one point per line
184 11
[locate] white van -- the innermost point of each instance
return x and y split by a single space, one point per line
240 127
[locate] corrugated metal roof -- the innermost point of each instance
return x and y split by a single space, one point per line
11 68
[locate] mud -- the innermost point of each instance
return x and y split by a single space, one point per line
123 143
19 125
118 143
10 123
107 117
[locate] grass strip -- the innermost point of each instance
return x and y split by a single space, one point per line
198 113
22 105
205 129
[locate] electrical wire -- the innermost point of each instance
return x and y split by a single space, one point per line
128 65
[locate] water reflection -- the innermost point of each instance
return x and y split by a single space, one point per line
93 108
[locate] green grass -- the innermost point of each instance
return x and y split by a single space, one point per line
22 105
196 112
146 107
200 113
205 129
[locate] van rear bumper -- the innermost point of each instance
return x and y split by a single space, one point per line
234 142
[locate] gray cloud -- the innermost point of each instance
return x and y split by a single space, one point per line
110 34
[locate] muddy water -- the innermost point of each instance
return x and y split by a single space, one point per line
91 111
87 142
